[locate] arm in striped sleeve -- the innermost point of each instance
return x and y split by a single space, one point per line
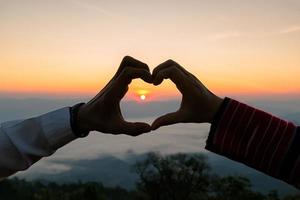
257 139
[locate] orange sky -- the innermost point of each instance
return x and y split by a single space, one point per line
72 47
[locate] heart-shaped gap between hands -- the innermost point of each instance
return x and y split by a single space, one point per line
158 100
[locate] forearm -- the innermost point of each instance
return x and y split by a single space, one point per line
257 139
24 142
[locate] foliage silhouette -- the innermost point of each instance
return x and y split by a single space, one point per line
172 177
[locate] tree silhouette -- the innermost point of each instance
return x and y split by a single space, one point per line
173 177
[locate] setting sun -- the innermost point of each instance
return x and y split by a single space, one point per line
141 93
143 97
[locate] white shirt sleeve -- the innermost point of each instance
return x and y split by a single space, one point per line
24 142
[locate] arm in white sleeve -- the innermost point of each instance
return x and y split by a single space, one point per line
24 142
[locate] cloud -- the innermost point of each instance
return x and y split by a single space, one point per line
291 29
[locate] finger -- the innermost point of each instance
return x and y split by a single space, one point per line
167 64
130 73
129 61
168 119
120 86
173 73
163 66
134 128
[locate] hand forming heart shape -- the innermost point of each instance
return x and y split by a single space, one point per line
103 112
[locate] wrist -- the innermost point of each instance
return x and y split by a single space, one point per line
78 120
215 106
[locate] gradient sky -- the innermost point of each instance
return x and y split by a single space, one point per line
65 48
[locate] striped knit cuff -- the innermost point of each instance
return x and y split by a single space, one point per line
215 122
257 139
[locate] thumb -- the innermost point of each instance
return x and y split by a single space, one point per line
134 128
165 120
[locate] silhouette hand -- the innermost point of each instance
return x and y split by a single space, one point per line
103 112
198 103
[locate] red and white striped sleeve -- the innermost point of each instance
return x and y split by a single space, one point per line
257 139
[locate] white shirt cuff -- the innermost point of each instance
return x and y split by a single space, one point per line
57 127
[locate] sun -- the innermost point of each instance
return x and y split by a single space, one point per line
143 97
142 94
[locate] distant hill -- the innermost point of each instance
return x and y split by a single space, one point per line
112 171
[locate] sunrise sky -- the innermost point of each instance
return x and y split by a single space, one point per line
71 48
